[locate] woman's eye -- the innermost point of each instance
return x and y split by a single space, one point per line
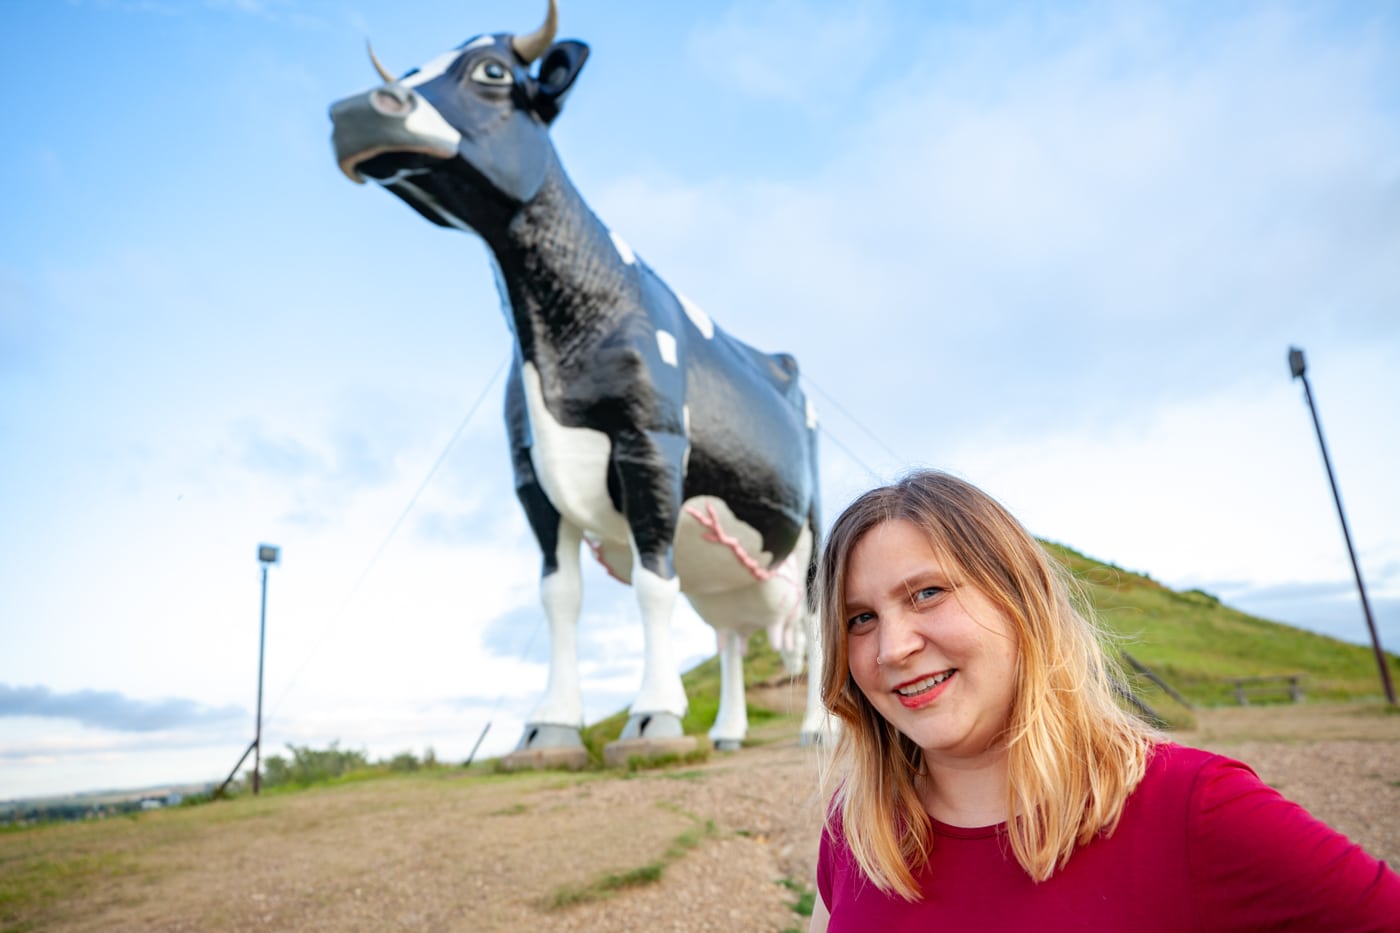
927 593
860 620
491 72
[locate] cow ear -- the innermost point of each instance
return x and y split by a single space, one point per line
558 69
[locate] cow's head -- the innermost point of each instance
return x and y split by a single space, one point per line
463 139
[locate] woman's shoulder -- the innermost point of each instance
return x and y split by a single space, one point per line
1201 773
1170 762
1170 755
1177 778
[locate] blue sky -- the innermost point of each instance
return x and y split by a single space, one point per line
1059 249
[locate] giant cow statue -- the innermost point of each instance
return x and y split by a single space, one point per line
684 458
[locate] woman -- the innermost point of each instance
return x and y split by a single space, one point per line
988 779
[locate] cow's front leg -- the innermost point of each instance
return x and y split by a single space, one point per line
649 467
557 717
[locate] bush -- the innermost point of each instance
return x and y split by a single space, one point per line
310 766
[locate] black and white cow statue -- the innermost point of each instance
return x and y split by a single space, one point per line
685 459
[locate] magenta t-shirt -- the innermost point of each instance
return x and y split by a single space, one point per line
1203 845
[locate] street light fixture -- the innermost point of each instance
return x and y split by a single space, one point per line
267 555
1299 367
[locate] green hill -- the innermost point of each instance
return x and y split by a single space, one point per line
1195 643
1191 640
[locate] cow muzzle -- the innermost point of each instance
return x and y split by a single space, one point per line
389 118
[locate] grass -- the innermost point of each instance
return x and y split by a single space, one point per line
806 897
609 883
606 885
762 663
1196 643
636 763
31 885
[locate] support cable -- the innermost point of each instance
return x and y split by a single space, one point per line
854 420
389 536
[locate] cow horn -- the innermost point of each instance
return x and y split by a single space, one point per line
533 46
388 78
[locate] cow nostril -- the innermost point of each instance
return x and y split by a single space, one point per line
388 102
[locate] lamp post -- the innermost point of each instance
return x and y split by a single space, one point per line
1299 367
267 555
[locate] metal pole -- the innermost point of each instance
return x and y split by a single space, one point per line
478 744
228 780
257 735
1299 368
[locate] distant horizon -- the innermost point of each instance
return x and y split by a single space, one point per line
341 742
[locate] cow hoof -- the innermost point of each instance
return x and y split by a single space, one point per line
549 735
652 726
728 745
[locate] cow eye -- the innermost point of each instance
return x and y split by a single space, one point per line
491 72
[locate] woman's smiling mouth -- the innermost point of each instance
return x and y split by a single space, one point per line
925 689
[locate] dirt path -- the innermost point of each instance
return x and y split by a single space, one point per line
444 851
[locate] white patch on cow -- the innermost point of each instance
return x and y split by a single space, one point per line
571 465
699 318
432 69
811 415
427 124
478 42
623 249
666 343
685 457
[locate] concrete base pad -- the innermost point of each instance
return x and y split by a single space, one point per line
616 754
546 759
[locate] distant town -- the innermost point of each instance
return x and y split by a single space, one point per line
98 804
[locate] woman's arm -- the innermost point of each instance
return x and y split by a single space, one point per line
820 915
1261 861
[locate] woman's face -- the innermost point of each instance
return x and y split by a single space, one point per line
936 659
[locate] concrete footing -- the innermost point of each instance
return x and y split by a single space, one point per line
546 759
617 754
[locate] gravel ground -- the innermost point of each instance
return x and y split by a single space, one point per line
730 839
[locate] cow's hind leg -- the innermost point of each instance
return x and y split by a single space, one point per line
817 725
732 717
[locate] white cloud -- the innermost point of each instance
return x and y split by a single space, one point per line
795 53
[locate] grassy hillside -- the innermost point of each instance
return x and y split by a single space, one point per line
1194 642
1189 639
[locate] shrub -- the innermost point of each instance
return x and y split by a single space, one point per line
310 766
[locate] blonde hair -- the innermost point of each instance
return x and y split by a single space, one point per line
1073 754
